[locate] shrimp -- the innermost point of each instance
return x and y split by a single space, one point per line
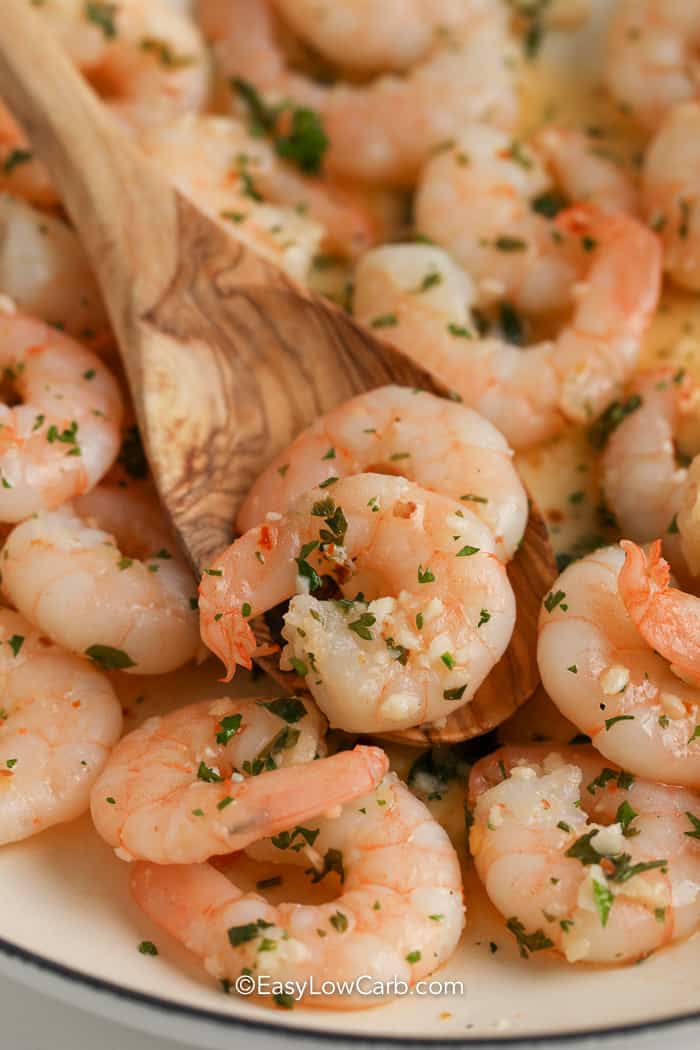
264 202
135 609
58 721
422 299
382 131
148 61
490 200
20 172
441 445
671 188
431 612
65 435
648 492
401 33
584 858
398 914
651 57
173 791
609 681
667 619
44 271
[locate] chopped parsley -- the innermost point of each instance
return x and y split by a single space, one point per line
109 658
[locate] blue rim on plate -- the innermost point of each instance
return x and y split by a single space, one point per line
225 1021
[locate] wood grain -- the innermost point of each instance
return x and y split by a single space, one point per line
515 677
227 359
237 360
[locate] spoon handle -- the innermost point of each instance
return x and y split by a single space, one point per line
113 196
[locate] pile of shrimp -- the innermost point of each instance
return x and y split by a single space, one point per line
382 155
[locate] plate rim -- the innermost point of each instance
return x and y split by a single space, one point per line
170 1007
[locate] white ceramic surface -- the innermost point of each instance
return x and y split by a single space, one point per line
69 929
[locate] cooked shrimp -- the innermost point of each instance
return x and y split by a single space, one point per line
582 857
643 484
58 720
44 271
652 57
398 914
528 395
610 682
671 187
135 607
384 130
65 435
490 200
667 619
365 37
238 179
174 789
427 609
441 445
147 60
20 172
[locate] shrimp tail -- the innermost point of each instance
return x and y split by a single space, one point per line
642 577
231 638
667 618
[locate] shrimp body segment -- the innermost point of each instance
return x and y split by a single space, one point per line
398 913
482 200
382 131
110 554
528 394
20 173
44 271
426 607
649 493
65 435
670 180
215 776
651 60
59 719
607 679
582 857
147 60
442 446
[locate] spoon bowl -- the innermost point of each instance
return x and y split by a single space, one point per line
226 357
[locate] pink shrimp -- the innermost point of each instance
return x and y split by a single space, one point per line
667 619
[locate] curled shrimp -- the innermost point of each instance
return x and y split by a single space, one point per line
383 131
607 679
423 300
44 271
215 776
667 619
65 434
490 201
426 607
238 179
58 721
401 33
148 61
584 858
651 64
398 914
111 554
670 179
649 493
441 445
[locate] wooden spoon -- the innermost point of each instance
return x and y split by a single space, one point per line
226 357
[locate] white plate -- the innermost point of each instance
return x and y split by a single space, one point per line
69 928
